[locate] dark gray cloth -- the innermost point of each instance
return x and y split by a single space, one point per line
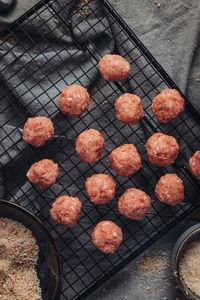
15 11
5 4
32 77
171 32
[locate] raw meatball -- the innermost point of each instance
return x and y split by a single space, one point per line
66 210
74 100
107 236
168 105
125 160
134 204
194 164
170 189
101 188
37 131
90 145
162 149
129 109
114 67
43 173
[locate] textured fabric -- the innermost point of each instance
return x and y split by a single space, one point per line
15 11
32 78
172 34
5 4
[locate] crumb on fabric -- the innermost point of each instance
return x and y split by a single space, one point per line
158 3
83 10
56 21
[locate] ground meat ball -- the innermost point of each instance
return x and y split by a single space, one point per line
66 211
170 189
37 131
125 160
134 204
90 145
129 109
162 149
101 188
43 173
168 105
107 236
74 100
194 164
114 67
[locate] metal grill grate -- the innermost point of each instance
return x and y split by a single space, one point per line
84 267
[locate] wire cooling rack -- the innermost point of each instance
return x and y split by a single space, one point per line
84 267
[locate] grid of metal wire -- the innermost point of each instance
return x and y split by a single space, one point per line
84 267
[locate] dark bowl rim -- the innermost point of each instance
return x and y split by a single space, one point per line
183 241
58 257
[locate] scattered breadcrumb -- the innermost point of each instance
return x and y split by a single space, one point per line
156 268
189 267
56 21
52 2
93 91
86 13
150 265
9 38
83 3
83 13
157 2
18 256
83 10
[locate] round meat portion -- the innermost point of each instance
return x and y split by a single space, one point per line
162 149
129 109
107 236
74 100
37 131
125 160
194 164
114 67
90 145
66 211
101 188
134 204
170 189
43 173
168 105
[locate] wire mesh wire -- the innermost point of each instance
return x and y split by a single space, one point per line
84 267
